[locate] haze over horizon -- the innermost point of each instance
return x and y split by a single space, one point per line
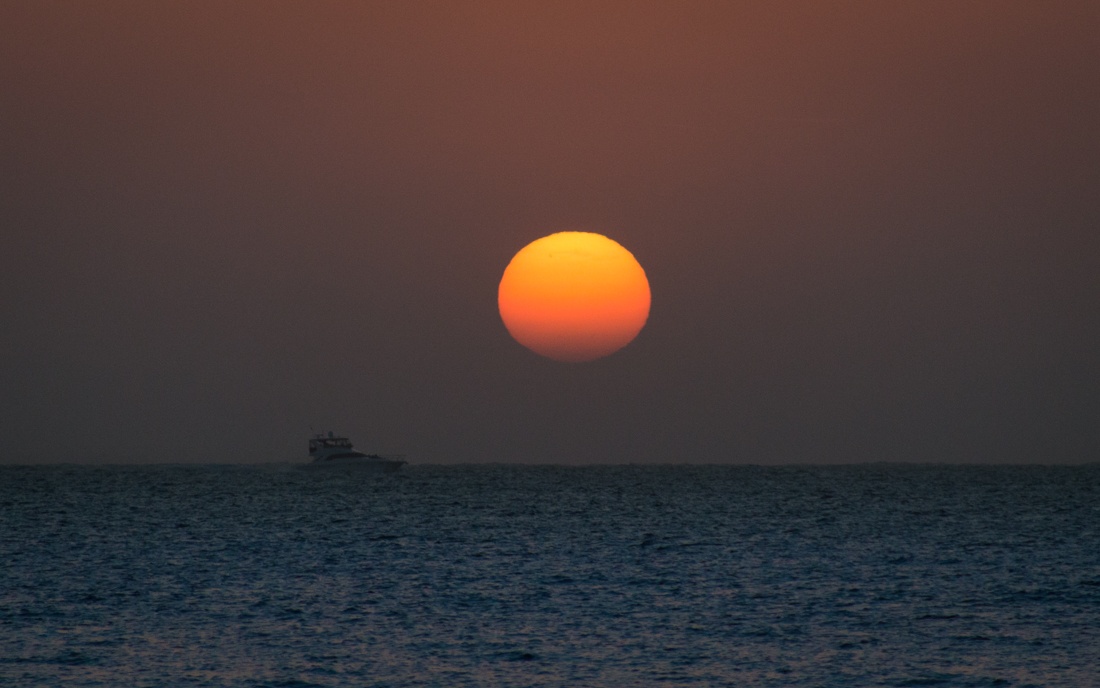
871 230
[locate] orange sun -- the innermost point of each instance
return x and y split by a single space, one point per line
574 296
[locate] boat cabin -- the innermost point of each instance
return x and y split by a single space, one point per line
330 442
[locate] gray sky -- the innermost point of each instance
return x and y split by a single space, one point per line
872 230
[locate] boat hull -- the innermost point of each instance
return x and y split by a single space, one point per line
356 464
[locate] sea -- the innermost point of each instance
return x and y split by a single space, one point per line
505 575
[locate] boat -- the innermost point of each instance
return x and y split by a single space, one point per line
330 451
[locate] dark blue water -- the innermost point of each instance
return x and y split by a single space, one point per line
531 576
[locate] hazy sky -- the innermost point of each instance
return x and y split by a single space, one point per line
871 229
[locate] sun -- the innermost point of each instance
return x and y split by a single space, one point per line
574 296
